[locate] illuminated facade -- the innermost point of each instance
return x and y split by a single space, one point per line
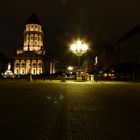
31 58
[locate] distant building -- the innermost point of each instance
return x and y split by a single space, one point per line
108 57
123 56
125 50
88 66
129 55
31 58
129 46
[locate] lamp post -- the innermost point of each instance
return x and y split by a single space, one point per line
79 47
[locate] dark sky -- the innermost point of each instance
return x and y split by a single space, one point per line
99 22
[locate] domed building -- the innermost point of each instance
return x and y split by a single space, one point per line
31 57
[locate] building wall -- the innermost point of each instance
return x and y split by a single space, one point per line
125 50
130 49
124 55
88 66
108 57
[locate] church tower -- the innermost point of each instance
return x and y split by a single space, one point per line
33 35
30 58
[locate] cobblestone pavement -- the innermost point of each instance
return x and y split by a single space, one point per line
69 111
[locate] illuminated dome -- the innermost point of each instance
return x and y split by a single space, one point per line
33 19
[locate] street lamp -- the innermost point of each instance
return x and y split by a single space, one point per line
70 68
79 47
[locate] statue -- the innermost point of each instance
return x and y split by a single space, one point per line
8 73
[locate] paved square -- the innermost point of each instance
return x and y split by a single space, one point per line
56 110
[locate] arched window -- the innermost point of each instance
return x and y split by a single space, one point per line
23 65
17 65
34 65
39 65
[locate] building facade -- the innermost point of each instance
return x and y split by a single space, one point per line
108 57
31 57
129 46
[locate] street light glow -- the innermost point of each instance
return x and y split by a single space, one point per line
79 47
70 68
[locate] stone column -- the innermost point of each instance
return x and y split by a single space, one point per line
19 66
31 66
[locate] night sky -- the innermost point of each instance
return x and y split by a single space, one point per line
99 22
